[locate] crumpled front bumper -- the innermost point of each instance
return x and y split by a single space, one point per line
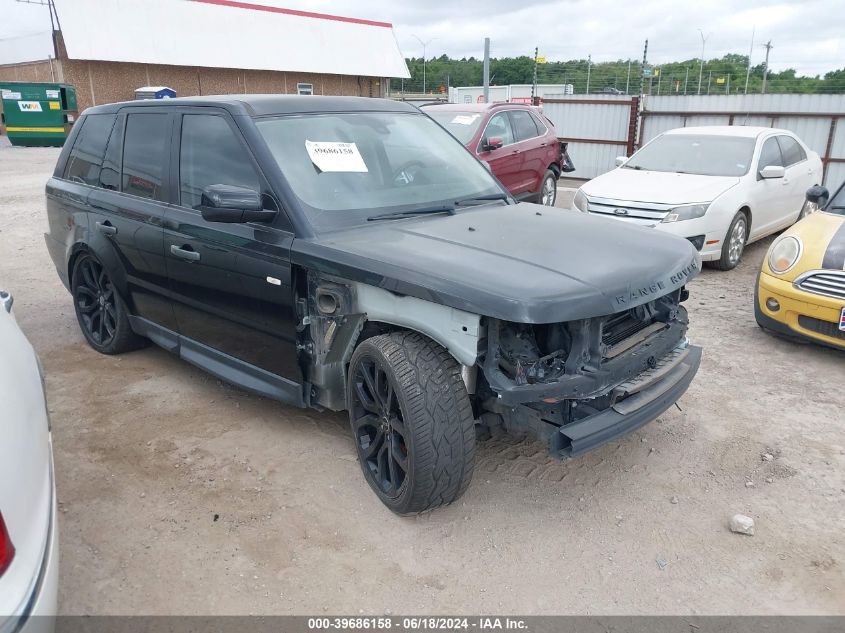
644 399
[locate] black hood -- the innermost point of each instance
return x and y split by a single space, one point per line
524 263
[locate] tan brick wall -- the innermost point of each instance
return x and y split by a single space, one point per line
30 71
117 81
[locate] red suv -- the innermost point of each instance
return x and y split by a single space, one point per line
517 141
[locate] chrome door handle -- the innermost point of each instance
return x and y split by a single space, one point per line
185 253
106 228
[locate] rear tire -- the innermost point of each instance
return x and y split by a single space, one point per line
548 190
411 420
734 243
100 311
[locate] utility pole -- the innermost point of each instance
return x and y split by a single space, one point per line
534 85
486 70
628 80
769 47
701 69
424 44
642 75
686 80
709 78
589 65
750 53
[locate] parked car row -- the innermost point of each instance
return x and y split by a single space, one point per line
350 254
724 187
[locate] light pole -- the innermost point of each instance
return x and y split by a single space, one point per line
424 44
701 69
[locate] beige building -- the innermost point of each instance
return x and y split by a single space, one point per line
107 49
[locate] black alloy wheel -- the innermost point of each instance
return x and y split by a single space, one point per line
102 314
379 427
96 302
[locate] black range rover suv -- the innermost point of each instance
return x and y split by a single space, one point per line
348 253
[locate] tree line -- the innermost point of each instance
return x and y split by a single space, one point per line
725 75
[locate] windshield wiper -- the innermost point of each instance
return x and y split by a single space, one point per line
485 198
443 208
637 167
396 215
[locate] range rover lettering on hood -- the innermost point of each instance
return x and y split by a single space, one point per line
658 288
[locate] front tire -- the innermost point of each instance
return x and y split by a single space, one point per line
411 420
100 311
734 243
548 191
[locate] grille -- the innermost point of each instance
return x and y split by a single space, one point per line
619 327
822 327
828 283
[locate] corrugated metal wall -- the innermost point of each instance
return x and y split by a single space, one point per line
591 118
802 114
819 120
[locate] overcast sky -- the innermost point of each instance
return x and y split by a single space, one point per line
807 35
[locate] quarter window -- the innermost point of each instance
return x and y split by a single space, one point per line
541 127
499 126
523 125
86 157
770 154
791 149
110 172
211 154
145 151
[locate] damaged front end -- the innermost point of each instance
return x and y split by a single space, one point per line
580 384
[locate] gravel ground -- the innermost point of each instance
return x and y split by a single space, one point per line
180 494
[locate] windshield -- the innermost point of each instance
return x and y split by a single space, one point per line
346 167
695 154
462 125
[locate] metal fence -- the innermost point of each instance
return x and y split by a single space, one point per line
598 128
601 128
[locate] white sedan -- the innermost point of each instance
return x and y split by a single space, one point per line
720 187
29 551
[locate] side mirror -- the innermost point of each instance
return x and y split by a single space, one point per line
818 196
772 171
228 203
494 142
6 300
621 160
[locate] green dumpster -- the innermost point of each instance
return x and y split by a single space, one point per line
38 114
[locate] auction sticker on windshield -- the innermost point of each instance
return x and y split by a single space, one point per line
335 156
465 119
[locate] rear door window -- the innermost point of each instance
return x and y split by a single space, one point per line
524 127
86 157
145 151
212 154
792 151
770 154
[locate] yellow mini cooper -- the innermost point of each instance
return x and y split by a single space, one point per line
801 287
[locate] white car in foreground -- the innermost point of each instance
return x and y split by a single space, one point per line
720 187
29 543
